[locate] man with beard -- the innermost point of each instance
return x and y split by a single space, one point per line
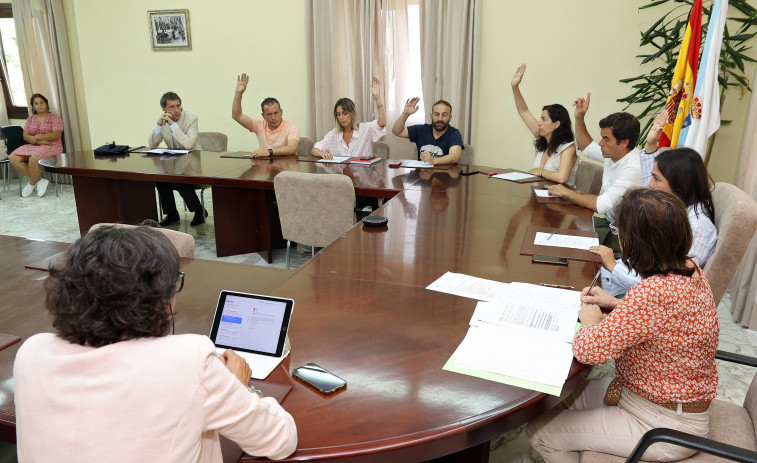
438 143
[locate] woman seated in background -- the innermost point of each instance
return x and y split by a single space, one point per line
351 138
556 157
683 173
42 132
111 383
663 335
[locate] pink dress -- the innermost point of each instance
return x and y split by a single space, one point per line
52 122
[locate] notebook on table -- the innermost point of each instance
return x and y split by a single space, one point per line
253 326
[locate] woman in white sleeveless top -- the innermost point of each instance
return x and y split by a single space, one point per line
556 158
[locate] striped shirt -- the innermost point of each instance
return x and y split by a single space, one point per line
703 242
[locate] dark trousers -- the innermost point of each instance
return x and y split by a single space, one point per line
187 192
606 237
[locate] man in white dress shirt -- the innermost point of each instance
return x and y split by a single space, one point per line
622 168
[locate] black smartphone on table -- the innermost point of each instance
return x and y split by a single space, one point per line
541 259
319 378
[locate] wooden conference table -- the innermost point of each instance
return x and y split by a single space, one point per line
361 311
121 189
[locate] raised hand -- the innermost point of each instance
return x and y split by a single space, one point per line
655 132
242 82
375 87
582 105
518 75
411 106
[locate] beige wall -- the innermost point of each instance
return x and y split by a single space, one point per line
578 46
119 79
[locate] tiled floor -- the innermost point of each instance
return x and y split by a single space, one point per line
54 218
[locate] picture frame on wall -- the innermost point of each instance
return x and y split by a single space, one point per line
169 30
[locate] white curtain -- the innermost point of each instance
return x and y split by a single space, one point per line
343 58
416 47
449 55
744 284
3 108
46 62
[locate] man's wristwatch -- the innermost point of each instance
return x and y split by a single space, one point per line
270 152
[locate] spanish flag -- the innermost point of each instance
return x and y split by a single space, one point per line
684 78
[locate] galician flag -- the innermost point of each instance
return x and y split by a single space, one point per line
684 78
704 114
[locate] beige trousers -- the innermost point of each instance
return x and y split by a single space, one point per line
588 424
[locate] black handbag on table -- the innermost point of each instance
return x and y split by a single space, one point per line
112 148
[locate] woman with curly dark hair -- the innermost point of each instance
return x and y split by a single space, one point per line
556 157
112 383
663 336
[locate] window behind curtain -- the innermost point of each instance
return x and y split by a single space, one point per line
10 66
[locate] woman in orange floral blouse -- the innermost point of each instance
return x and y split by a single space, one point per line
663 335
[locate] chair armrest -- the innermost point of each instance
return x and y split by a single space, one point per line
697 443
736 358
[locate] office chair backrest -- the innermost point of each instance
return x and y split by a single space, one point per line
183 242
213 141
466 157
305 147
13 135
314 209
736 222
381 150
589 177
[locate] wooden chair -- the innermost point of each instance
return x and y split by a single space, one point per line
183 242
736 222
314 209
731 436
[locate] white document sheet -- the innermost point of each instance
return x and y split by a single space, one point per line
166 151
469 286
531 310
336 159
565 241
420 164
514 176
540 359
543 194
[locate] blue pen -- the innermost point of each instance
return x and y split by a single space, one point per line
551 235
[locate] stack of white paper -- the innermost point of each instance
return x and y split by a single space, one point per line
518 330
421 164
166 151
336 159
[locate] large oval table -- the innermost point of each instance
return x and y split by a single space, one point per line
362 311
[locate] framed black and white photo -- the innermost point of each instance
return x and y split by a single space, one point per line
169 29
